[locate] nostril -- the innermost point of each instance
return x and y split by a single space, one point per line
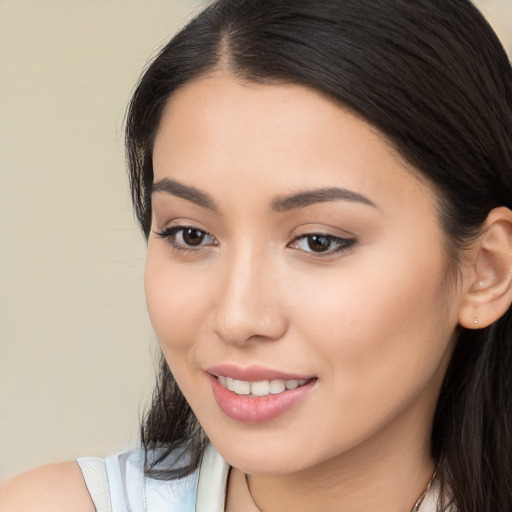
243 323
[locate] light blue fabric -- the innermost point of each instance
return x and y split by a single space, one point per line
130 491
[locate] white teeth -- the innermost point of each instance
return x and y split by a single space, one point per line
241 387
292 384
260 388
277 386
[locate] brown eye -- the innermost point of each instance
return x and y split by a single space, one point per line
319 243
185 238
322 244
193 236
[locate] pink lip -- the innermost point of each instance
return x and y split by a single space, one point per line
253 373
251 409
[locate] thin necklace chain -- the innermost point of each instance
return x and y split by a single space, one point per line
416 507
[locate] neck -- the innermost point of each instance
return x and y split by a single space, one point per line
393 488
385 474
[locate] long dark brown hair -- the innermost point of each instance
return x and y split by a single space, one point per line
433 77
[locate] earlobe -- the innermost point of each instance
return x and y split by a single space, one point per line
488 294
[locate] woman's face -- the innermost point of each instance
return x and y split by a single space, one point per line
296 277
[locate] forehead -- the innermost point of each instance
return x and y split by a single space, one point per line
220 130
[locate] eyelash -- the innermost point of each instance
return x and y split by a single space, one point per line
342 244
170 235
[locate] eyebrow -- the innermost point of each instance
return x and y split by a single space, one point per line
185 192
321 195
280 204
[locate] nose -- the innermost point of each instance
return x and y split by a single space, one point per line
249 306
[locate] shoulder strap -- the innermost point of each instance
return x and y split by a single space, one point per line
95 476
211 487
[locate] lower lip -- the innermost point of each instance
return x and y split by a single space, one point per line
257 409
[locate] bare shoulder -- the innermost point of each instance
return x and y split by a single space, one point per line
55 488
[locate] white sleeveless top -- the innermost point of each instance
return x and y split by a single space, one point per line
118 484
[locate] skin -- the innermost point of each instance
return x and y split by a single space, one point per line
374 324
53 488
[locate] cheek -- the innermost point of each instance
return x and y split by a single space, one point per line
384 319
384 340
175 301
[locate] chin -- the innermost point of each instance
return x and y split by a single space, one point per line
265 457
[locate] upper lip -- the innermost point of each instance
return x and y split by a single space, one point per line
253 373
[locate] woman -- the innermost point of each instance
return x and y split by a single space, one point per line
325 187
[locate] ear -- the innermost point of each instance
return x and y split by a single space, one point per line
487 287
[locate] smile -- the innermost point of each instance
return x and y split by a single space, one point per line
260 388
257 400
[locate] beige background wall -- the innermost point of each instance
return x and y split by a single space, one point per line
75 364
